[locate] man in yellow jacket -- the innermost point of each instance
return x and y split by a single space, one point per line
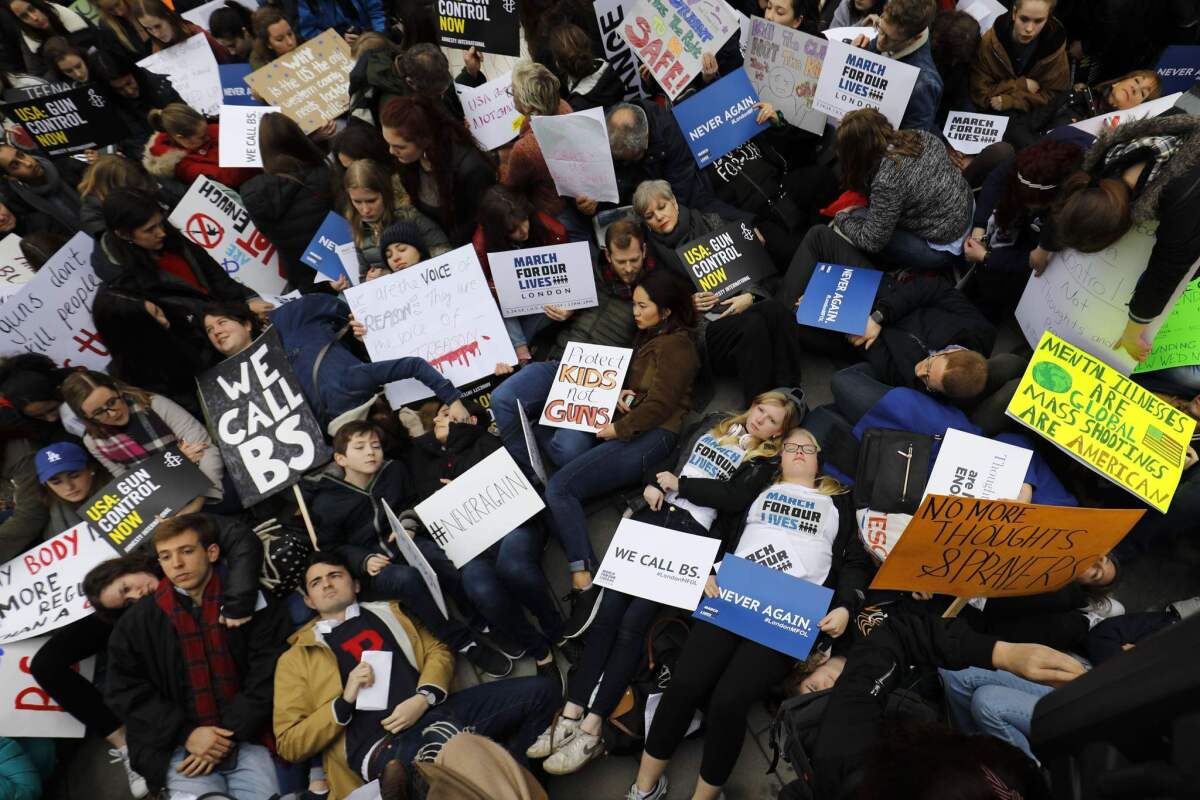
368 690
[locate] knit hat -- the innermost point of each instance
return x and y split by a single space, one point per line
402 232
58 458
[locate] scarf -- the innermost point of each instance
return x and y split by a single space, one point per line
210 669
1158 149
145 433
53 190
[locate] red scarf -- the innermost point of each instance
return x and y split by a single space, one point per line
211 671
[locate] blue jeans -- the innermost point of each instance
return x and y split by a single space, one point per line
529 387
989 701
522 329
252 775
403 583
607 466
351 387
508 571
855 390
906 250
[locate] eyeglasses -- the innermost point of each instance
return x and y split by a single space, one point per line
807 449
107 409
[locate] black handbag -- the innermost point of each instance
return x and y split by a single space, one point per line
893 468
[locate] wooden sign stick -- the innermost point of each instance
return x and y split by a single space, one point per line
312 533
952 611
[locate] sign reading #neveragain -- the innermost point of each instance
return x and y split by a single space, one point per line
586 387
1104 420
657 564
25 708
267 434
719 118
853 78
234 91
671 36
764 605
528 280
610 14
70 122
491 25
969 132
784 64
311 84
726 260
839 298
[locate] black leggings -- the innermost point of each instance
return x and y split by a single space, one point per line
51 668
760 346
732 673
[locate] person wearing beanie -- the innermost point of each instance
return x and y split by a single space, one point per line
401 245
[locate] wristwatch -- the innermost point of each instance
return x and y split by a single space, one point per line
877 317
428 695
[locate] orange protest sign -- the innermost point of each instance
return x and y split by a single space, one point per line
998 548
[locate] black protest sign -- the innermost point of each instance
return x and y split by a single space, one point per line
68 122
127 510
490 25
267 434
726 260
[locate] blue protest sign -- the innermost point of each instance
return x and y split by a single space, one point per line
839 298
720 118
321 253
234 91
764 605
1179 68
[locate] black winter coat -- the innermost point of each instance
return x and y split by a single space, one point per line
472 174
603 88
351 521
429 460
288 209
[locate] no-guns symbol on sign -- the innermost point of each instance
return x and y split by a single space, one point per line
204 231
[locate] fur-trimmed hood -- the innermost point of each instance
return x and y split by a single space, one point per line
1187 156
162 156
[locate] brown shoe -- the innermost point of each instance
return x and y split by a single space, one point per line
393 781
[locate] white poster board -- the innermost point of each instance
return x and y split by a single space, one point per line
577 154
416 559
192 70
849 34
1152 108
985 12
854 78
974 466
201 14
439 310
784 64
657 564
558 275
969 133
15 271
25 708
531 446
491 116
610 15
586 387
238 141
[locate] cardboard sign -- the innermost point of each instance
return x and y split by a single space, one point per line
1178 341
719 118
311 84
657 564
322 252
491 116
996 548
212 216
531 446
969 133
577 154
610 14
238 139
1179 67
480 507
559 275
234 91
267 434
192 69
69 122
439 310
839 298
985 12
1103 420
975 466
52 313
25 708
672 36
854 78
777 610
15 271
491 25
586 387
1151 108
726 261
784 64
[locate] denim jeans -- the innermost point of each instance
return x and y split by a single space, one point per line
607 466
251 775
522 329
507 576
989 701
529 387
403 583
855 389
361 382
906 250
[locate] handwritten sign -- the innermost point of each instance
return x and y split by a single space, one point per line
726 260
610 14
657 564
586 387
528 280
671 36
720 117
192 70
201 14
577 154
1103 420
68 122
491 116
322 253
238 141
853 78
985 12
784 65
969 132
311 84
25 708
839 298
15 271
1178 341
490 25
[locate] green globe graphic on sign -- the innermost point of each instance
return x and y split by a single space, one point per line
1051 377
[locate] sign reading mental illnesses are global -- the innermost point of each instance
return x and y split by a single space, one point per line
610 14
69 122
493 26
784 65
529 280
311 84
726 260
671 36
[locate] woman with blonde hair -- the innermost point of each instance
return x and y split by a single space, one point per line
372 203
108 172
186 146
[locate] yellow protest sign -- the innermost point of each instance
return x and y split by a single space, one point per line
1104 420
969 547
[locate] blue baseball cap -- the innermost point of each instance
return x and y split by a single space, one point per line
58 458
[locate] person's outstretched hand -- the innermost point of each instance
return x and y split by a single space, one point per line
1036 662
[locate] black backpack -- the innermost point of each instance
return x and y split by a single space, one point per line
286 549
626 725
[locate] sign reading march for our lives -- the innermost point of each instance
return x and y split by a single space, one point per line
322 252
491 25
586 387
191 68
311 84
479 507
968 547
853 78
69 122
719 118
839 298
671 36
969 132
267 434
234 91
657 564
764 605
610 14
725 260
238 137
25 708
1103 420
559 275
1178 341
784 64
577 154
491 116
439 310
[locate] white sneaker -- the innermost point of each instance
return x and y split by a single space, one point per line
571 757
657 793
561 731
137 784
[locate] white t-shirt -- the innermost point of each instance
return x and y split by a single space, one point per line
791 528
709 459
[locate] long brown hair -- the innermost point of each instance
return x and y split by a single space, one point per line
373 177
79 385
1101 90
285 148
110 171
863 139
180 28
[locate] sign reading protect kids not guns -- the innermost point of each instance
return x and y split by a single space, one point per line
968 547
1104 420
586 387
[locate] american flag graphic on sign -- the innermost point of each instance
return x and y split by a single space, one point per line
1165 447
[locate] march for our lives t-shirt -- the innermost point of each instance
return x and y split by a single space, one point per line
709 459
791 528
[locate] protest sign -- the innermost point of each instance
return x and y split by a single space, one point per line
238 139
975 466
491 25
985 12
311 84
773 608
853 78
610 14
531 446
25 708
577 154
849 34
784 64
212 216
657 564
126 511
671 36
1179 67
40 589
415 558
439 310
559 275
68 122
725 260
839 298
1103 420
267 434
234 91
479 507
201 14
15 271
322 252
719 118
52 313
968 132
1151 108
192 70
1178 341
968 547
491 116
586 387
